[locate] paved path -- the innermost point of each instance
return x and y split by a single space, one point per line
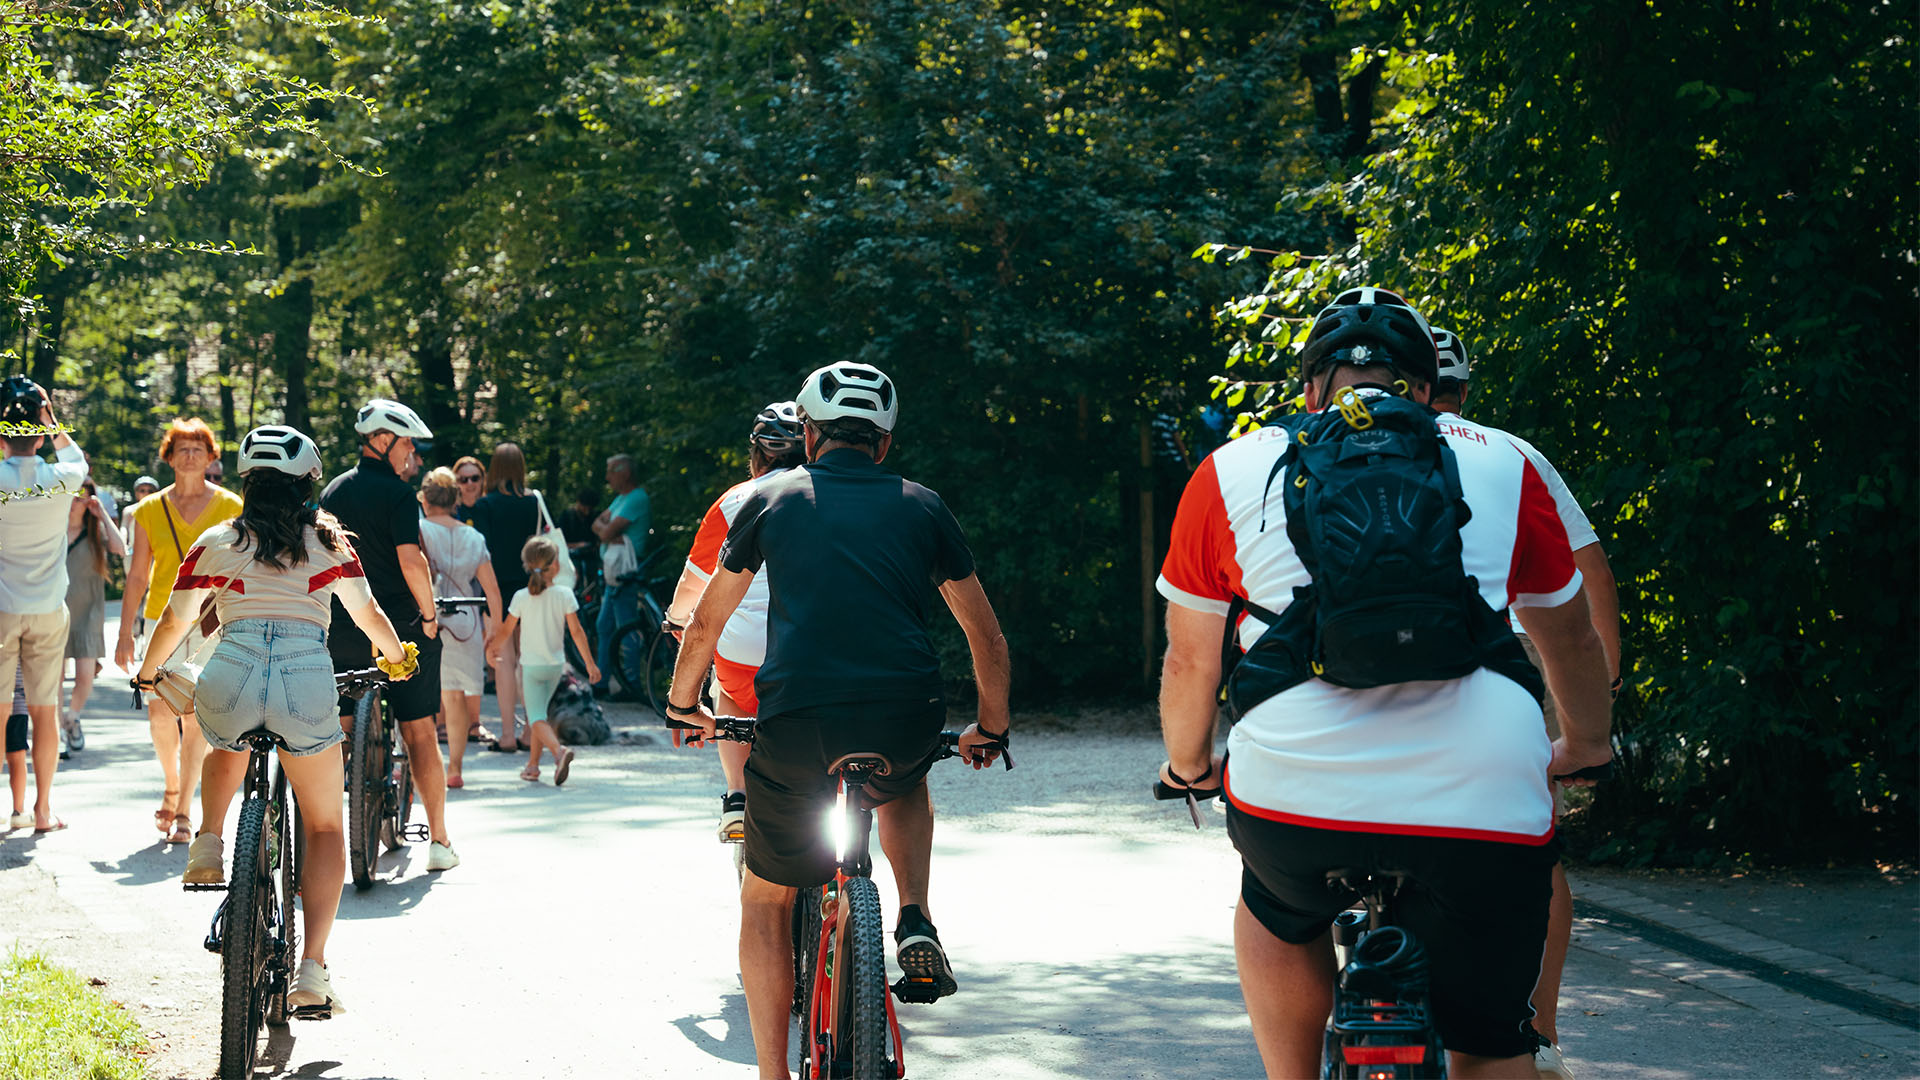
590 933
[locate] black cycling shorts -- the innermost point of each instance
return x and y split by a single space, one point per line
1479 907
789 790
17 725
414 699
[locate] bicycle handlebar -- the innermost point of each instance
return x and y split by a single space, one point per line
357 682
454 603
741 729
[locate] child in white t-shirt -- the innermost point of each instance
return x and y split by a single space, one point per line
544 616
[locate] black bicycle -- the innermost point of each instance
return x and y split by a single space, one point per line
379 781
839 939
255 930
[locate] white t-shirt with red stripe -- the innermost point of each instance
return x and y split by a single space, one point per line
744 639
259 591
1461 758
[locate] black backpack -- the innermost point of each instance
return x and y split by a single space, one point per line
1374 509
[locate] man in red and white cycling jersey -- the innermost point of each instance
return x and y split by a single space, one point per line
1447 780
1603 603
775 444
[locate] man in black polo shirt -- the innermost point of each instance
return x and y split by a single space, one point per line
380 508
854 556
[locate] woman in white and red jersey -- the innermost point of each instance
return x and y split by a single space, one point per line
272 573
775 445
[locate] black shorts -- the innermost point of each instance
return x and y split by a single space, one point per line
413 699
1479 907
789 789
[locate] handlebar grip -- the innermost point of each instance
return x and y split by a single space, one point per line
1591 772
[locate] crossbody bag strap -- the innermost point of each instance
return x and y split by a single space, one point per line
178 551
207 640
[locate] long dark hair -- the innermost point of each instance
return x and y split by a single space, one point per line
275 518
90 528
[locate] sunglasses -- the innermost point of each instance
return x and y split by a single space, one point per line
469 479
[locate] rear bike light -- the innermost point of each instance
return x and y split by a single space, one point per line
1384 1055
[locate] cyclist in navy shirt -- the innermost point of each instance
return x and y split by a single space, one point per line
855 556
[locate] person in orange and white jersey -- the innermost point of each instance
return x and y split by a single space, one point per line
775 445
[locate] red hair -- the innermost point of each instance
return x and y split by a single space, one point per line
194 428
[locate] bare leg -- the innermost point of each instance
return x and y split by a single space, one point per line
906 835
82 685
193 754
544 737
46 758
733 755
453 705
1474 1067
429 774
1553 961
317 780
506 686
766 968
164 725
219 780
1289 992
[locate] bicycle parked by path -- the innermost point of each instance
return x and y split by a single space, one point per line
641 660
840 988
254 931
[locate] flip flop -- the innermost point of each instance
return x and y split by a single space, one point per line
560 767
182 830
529 774
496 748
163 817
55 827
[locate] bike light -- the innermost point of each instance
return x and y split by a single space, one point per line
837 827
1384 1055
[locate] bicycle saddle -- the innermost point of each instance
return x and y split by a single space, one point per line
263 740
877 764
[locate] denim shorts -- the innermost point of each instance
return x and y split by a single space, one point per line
273 674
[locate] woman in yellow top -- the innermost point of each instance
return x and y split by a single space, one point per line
166 524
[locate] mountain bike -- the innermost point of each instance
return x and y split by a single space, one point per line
839 941
254 930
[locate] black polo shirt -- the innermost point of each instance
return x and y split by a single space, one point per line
854 555
383 514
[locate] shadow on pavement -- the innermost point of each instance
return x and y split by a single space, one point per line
737 1046
156 862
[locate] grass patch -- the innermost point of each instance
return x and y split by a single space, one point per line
53 1026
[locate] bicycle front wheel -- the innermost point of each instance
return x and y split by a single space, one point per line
367 780
861 1036
658 677
243 944
806 946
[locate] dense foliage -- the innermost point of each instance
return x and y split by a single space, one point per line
1679 239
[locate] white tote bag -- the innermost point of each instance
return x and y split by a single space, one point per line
565 576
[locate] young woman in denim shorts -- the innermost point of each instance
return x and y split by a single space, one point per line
272 573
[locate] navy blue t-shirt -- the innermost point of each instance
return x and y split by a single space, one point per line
855 556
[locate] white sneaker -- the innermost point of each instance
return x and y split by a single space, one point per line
1551 1063
205 861
441 857
312 996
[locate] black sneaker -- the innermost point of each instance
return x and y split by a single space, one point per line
733 817
926 976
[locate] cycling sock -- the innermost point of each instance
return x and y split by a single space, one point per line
914 921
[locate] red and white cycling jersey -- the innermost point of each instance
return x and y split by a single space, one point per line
744 639
1461 758
249 589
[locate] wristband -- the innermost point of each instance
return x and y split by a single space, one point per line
692 710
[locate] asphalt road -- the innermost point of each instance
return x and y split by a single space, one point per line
590 932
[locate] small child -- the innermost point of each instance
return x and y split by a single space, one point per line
545 614
17 725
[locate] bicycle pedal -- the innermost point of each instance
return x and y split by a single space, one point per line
209 886
415 833
312 1012
912 991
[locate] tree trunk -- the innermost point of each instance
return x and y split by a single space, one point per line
435 355
290 315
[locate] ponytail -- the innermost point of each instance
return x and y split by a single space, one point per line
541 557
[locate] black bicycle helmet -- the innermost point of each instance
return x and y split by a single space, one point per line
777 429
1371 326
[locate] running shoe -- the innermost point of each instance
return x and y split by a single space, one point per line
441 857
312 996
206 863
76 738
733 817
925 974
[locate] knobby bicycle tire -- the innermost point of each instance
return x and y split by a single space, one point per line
366 786
243 944
863 985
806 944
291 851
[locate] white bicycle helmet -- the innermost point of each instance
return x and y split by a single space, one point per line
777 428
850 391
1453 356
382 414
280 448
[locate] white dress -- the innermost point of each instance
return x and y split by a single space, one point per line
457 553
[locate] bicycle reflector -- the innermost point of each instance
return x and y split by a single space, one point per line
1384 1055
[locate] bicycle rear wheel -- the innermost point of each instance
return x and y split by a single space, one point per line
393 824
861 1036
369 772
243 944
658 676
806 946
